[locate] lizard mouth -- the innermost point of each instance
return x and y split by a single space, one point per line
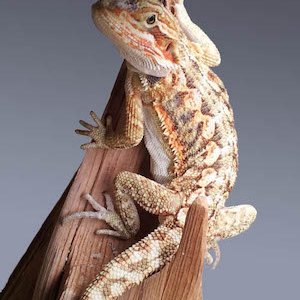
138 48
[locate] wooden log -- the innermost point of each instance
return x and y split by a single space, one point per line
182 278
62 260
75 254
29 266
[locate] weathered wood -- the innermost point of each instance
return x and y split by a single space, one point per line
75 254
182 278
29 266
62 260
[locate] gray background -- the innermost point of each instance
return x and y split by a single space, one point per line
55 67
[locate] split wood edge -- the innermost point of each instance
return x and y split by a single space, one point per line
182 278
62 260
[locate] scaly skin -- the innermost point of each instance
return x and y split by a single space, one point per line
181 108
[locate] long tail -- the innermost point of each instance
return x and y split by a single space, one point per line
136 263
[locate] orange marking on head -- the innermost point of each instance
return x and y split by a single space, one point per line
168 55
162 42
157 33
144 42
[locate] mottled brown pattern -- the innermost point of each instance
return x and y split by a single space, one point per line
182 109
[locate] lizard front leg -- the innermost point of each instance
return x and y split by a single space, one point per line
104 137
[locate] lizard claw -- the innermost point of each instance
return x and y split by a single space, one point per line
108 214
213 262
96 133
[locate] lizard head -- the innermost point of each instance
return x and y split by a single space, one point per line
144 31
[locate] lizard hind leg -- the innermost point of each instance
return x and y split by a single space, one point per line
210 260
229 222
136 263
150 195
233 220
107 214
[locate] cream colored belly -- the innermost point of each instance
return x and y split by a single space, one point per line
159 160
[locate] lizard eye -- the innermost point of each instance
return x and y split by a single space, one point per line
151 20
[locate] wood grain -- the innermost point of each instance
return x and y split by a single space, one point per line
182 278
62 260
30 264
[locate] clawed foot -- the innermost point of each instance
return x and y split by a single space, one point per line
96 133
209 258
107 214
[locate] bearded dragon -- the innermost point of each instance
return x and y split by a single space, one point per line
181 109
